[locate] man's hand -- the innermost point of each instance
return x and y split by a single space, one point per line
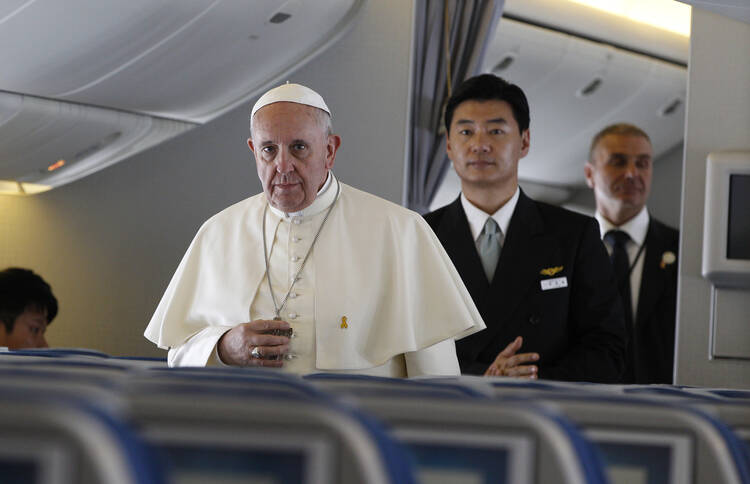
236 345
508 363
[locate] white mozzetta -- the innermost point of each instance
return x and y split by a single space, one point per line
376 264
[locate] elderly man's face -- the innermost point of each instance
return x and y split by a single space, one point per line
293 153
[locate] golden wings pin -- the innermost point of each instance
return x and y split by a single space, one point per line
551 271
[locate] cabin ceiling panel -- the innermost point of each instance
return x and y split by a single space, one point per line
183 59
584 21
96 81
576 87
62 46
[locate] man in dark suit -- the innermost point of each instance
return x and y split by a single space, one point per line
539 274
643 250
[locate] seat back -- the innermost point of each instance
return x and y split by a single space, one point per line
266 435
645 438
58 438
460 435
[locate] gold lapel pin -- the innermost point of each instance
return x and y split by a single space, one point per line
344 325
667 258
551 271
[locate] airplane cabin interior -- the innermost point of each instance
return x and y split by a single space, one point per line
124 127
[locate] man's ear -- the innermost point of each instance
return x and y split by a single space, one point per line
525 142
448 147
588 172
334 143
250 145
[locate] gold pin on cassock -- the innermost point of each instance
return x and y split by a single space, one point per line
343 322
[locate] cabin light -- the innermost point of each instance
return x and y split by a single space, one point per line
670 108
590 88
12 187
664 14
279 17
504 63
54 166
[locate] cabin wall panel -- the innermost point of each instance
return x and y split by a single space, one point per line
666 187
109 243
718 118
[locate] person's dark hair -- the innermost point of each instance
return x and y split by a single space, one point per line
21 290
487 87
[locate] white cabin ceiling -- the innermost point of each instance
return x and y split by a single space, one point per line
554 70
182 59
166 65
594 24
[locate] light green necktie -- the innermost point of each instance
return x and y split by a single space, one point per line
488 246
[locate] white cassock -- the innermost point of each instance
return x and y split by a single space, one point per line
378 294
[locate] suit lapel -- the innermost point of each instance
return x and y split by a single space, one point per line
653 278
455 235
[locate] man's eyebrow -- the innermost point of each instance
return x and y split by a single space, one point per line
493 120
299 142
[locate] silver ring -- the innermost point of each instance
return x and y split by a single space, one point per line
255 353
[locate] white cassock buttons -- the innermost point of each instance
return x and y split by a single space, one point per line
296 239
293 295
292 315
296 221
295 258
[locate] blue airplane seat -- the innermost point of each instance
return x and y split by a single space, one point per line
259 428
56 352
679 440
455 432
377 385
50 437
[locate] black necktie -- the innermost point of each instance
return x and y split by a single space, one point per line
621 265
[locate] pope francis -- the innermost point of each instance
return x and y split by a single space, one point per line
312 274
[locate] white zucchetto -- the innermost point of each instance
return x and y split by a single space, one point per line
293 93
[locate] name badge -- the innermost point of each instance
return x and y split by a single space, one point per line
556 283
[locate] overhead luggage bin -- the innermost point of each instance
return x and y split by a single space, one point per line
46 143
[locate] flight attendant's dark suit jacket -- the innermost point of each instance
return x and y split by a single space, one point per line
577 330
655 316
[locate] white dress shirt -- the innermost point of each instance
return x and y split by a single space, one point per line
636 228
478 217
